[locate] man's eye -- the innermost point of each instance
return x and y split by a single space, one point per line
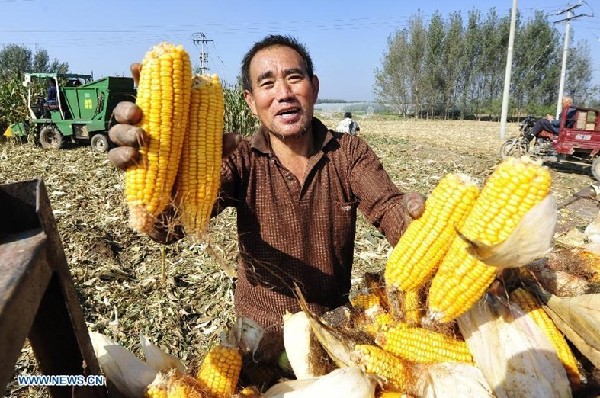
295 78
266 83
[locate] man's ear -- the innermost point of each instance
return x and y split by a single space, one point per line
250 101
315 85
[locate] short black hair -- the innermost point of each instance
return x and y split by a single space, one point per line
348 114
271 41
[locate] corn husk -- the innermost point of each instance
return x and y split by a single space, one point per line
446 379
129 374
337 343
304 352
531 239
247 335
578 318
514 355
340 383
158 359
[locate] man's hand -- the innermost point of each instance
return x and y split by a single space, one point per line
128 137
415 204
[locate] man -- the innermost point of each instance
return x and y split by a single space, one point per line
51 99
347 125
552 125
296 187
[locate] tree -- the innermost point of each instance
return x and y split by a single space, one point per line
391 82
579 73
14 59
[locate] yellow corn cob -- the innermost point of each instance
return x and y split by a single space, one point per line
200 169
427 239
375 284
184 386
163 95
532 307
412 307
396 373
461 279
375 321
220 370
365 301
158 388
423 346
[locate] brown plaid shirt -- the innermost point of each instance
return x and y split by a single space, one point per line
292 233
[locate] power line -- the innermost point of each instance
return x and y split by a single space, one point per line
200 40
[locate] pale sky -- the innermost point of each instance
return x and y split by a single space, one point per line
346 39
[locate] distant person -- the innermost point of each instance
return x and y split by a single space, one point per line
347 125
51 98
552 125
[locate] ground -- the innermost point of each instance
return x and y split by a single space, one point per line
180 295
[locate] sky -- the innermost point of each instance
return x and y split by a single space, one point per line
346 39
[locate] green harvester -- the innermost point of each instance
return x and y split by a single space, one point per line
82 114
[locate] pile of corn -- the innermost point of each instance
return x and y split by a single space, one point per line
179 167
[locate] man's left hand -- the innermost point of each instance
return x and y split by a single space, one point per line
415 204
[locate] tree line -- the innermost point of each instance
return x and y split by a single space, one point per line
454 68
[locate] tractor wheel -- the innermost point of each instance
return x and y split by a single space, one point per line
596 168
51 138
99 143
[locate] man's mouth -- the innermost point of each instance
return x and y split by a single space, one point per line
289 112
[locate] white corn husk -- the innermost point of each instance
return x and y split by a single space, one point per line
451 379
578 318
128 373
531 239
340 383
304 352
514 355
158 359
247 335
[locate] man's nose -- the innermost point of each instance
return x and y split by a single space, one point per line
284 91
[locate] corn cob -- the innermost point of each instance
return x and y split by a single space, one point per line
511 191
412 307
375 284
173 385
163 95
396 373
200 169
532 307
375 321
427 239
158 388
220 370
365 301
423 346
184 386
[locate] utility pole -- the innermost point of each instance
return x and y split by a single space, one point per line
200 41
508 70
563 72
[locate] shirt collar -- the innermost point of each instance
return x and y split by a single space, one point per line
261 140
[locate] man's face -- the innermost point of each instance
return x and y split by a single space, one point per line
282 94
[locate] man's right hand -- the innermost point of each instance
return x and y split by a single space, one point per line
128 137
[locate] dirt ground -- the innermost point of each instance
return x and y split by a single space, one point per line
181 295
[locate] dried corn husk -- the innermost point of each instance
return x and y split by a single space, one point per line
158 359
531 239
129 374
445 379
578 318
514 355
304 352
340 383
